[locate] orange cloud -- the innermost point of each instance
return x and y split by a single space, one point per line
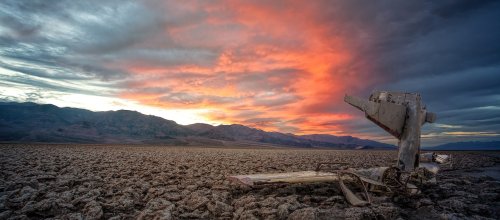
279 61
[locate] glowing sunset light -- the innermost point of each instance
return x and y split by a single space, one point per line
274 65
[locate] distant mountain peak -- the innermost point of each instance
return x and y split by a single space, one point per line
467 145
31 122
346 140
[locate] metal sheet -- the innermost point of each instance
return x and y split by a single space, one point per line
389 116
350 196
431 167
291 177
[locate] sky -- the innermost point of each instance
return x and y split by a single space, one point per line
274 65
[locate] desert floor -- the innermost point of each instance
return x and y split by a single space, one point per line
154 182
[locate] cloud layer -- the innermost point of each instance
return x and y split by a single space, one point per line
277 65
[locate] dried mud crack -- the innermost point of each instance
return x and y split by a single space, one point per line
153 182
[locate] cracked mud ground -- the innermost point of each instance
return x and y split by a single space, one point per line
152 182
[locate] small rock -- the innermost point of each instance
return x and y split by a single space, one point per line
159 203
28 208
197 214
452 204
489 196
241 202
283 211
220 187
447 186
252 205
332 213
426 212
125 202
266 211
43 178
172 196
425 202
19 217
172 189
165 214
191 187
359 213
269 202
218 208
73 216
5 214
480 209
45 204
196 201
387 212
306 213
220 196
93 210
248 215
452 216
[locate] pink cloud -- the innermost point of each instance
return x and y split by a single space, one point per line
280 61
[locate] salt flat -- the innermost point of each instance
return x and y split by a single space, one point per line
146 182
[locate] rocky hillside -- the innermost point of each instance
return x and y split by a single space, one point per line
30 122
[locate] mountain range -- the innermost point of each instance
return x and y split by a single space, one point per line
30 122
469 145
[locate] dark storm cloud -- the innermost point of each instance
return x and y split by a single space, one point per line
446 50
413 39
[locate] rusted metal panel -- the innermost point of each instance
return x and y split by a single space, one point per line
375 173
350 196
431 167
291 177
409 143
389 116
399 113
402 115
430 117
